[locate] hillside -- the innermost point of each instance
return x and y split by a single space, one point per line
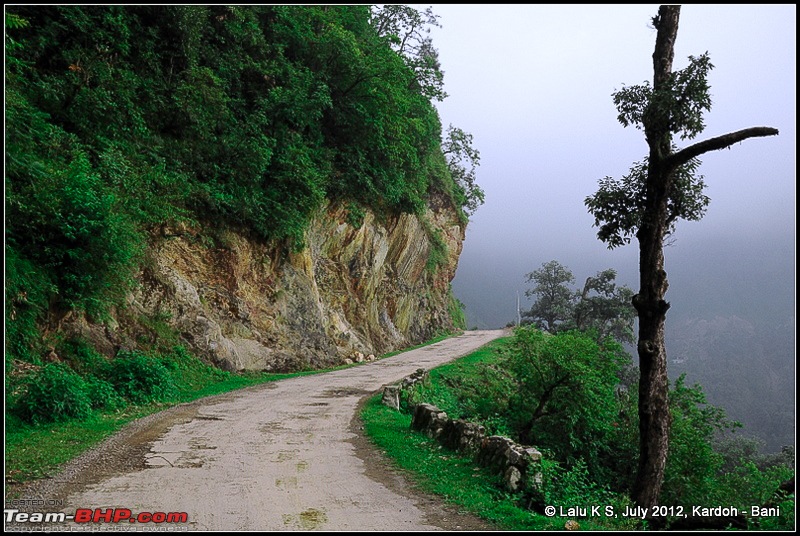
268 186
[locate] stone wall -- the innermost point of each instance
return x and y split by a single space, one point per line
519 465
393 395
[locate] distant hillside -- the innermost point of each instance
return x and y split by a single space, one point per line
743 368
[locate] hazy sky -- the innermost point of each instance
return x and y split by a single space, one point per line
533 84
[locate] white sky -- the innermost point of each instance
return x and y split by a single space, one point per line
533 84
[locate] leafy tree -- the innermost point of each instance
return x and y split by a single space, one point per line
565 398
604 307
646 204
601 306
462 161
407 30
554 306
693 464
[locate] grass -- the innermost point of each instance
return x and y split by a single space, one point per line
38 451
450 475
455 476
437 390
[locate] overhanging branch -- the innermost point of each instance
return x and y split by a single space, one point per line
714 144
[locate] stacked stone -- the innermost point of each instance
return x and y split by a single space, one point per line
515 462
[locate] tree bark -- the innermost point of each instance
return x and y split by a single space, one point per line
654 415
715 144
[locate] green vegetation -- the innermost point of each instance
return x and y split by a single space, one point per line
120 119
445 473
451 475
599 306
456 311
563 394
438 253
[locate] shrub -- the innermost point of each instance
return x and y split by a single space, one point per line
566 397
54 393
27 289
102 394
141 378
83 358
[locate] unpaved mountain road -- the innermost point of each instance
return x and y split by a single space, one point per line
279 456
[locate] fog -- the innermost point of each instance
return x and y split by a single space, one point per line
533 84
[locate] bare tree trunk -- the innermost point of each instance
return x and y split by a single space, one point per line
654 415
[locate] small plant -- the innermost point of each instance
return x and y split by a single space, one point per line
54 393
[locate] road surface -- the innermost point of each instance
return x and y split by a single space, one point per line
279 456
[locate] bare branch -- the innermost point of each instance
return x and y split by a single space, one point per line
714 144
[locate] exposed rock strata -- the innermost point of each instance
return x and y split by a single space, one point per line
245 305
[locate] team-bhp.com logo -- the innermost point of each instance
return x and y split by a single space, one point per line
97 515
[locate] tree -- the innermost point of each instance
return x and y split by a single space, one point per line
600 306
646 204
407 31
604 307
554 306
565 391
462 160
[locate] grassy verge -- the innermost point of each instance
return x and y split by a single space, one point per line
34 451
452 476
442 387
455 476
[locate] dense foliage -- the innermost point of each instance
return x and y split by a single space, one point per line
619 204
562 394
122 118
88 382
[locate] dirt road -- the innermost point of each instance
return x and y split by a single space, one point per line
279 456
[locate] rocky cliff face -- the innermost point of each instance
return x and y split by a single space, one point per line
244 305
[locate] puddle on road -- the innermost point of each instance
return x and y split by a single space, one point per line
286 455
208 418
270 427
343 392
286 483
